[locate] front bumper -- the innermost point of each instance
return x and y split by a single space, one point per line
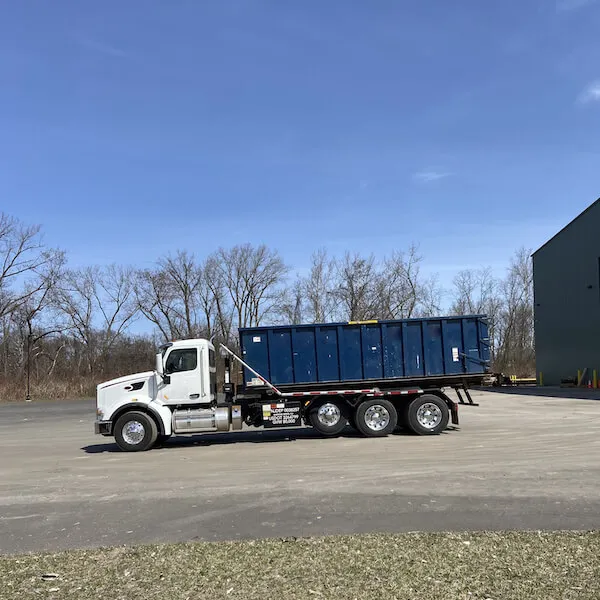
103 427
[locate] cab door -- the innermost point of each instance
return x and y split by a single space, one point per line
183 366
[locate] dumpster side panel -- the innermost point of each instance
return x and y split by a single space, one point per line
371 350
453 344
328 367
434 353
281 364
393 353
413 349
255 351
304 354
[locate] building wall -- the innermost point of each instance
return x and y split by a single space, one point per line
567 300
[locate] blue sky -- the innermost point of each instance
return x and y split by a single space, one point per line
130 129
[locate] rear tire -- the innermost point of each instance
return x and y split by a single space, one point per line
328 418
427 415
135 431
376 417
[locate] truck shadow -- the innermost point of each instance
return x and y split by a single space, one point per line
238 437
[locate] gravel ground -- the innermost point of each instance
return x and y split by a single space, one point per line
518 462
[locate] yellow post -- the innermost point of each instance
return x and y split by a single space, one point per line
595 379
541 379
578 377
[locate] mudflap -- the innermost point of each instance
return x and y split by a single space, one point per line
453 412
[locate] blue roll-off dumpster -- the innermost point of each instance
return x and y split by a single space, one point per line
446 350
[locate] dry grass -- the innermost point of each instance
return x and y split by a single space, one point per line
498 566
15 391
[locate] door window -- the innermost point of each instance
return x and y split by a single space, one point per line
181 360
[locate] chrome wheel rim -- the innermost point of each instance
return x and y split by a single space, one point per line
329 414
377 417
133 432
429 415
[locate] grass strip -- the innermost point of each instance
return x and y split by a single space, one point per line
470 566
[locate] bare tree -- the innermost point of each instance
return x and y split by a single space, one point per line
216 296
479 292
508 304
515 344
185 277
291 306
36 315
155 300
358 288
21 253
8 345
71 326
253 278
400 287
173 296
76 302
115 301
431 297
474 291
318 288
98 304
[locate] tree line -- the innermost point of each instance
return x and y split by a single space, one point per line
63 330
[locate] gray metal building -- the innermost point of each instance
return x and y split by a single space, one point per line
566 276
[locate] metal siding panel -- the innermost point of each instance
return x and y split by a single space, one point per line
349 343
413 349
280 353
434 355
393 364
567 310
327 354
371 351
304 355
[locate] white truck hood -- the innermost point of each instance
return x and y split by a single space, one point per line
127 379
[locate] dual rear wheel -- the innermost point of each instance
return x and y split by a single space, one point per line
425 415
377 417
373 418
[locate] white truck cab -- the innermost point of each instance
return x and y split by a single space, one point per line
179 396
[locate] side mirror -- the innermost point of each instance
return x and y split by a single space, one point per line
159 365
161 371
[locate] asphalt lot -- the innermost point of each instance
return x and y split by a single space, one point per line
518 461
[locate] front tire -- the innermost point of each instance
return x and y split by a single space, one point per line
376 417
328 418
135 431
427 415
